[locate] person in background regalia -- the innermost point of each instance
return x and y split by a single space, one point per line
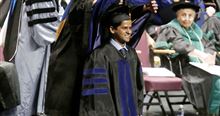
212 24
191 45
30 32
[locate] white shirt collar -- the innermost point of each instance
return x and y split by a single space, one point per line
117 45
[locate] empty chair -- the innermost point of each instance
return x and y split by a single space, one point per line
155 84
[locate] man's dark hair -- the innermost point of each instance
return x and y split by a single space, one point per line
117 18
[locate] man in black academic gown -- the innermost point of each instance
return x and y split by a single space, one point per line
66 62
112 82
68 55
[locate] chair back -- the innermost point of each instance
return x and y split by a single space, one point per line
143 51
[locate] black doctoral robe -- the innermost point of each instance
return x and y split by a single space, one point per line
212 25
66 63
112 85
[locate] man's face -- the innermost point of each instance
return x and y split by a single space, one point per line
186 17
122 33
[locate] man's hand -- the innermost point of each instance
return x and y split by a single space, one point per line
152 6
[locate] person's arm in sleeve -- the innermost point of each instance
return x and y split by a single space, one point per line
96 97
170 38
140 86
183 47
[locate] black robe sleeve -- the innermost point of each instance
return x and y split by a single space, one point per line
212 29
170 38
140 86
96 89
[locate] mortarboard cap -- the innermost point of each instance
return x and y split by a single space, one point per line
180 4
115 14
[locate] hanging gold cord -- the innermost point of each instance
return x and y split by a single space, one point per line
60 28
